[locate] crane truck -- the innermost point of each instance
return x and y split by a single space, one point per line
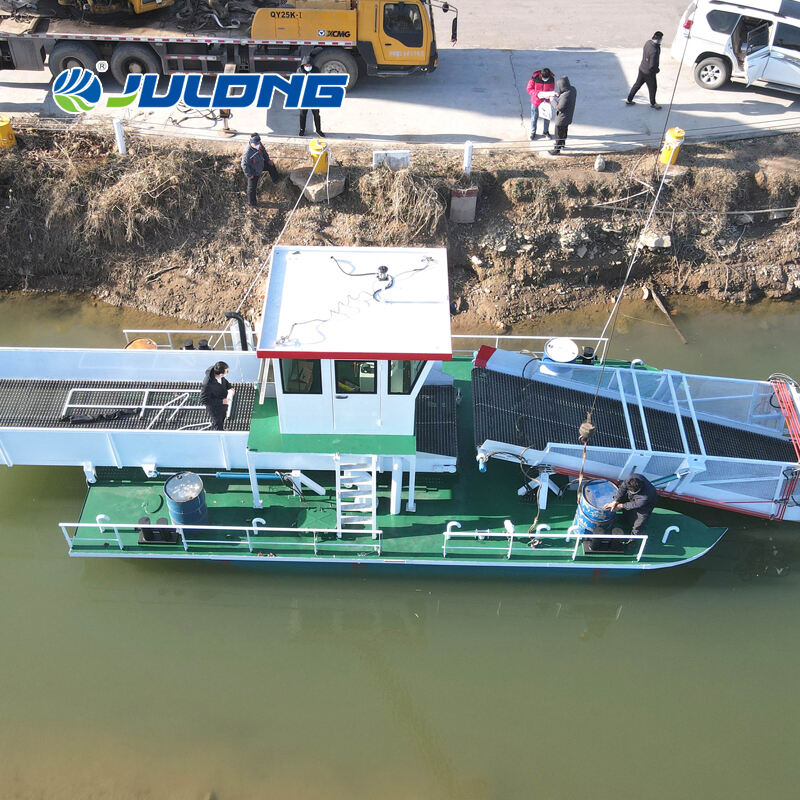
356 37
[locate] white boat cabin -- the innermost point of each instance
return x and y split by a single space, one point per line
353 334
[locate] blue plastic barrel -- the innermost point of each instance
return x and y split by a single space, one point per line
591 517
186 499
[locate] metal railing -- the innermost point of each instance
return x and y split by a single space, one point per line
540 534
251 536
217 339
532 344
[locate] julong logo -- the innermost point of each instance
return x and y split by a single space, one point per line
77 89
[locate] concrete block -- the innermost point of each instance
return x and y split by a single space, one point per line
317 191
394 159
463 203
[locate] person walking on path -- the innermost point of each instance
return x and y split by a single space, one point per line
216 394
255 160
307 68
648 69
541 81
565 109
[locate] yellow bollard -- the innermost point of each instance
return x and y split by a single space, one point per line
319 155
672 146
7 138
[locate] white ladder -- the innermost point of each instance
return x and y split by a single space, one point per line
356 496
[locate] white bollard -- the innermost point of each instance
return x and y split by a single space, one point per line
467 158
119 133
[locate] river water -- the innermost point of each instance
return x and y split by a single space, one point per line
189 680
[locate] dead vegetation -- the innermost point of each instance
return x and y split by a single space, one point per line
167 229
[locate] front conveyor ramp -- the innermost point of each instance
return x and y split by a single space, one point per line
533 413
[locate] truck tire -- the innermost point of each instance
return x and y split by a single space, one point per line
127 59
72 54
337 59
712 72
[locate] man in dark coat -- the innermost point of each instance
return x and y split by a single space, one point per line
648 69
216 394
307 68
255 161
565 109
636 497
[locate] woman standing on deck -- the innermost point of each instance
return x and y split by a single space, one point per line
216 393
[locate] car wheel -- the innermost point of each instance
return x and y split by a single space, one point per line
712 72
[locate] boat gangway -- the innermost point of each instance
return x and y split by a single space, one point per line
731 443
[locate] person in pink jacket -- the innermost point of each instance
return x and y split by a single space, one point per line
542 80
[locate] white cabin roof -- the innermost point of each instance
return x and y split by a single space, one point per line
327 302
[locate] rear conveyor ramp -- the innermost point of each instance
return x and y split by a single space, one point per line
158 391
722 442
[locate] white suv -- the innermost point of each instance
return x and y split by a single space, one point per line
757 41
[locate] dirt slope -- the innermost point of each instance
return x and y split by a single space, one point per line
167 228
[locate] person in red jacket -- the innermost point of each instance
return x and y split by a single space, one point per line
542 80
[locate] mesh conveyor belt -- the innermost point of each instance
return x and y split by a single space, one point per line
38 404
532 413
435 427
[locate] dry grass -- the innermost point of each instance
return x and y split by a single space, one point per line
407 205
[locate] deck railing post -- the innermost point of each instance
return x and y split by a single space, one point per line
641 548
256 522
183 539
63 527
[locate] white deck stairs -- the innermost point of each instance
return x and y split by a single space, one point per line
356 494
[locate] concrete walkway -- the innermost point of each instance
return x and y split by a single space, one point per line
479 95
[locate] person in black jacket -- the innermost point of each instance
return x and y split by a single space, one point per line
648 69
216 394
565 109
306 67
256 161
636 497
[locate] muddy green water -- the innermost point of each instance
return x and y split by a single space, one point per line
161 680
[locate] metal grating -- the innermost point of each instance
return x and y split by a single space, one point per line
435 423
531 413
39 403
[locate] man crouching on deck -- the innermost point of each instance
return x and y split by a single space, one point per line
216 394
636 497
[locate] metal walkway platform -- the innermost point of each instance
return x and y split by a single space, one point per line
117 405
532 413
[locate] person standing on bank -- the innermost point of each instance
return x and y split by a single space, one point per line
307 68
565 109
541 81
255 160
216 394
636 497
648 69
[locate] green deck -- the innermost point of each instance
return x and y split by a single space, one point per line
478 501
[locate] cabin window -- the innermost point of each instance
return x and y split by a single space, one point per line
402 21
356 377
403 375
301 376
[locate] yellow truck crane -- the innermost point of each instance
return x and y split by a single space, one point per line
357 37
